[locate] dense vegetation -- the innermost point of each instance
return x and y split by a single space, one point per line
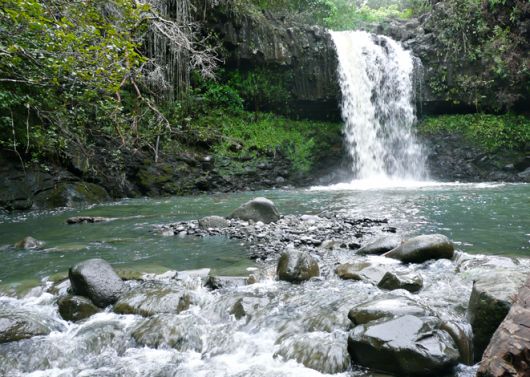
483 50
492 132
82 77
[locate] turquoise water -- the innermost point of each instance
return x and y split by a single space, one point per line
480 218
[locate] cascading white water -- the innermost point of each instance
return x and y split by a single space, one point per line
375 76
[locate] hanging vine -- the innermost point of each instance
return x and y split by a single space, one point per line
175 47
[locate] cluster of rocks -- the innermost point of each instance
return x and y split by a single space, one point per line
396 326
267 234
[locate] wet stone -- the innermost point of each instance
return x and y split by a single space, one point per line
259 209
423 248
409 281
152 298
88 220
380 245
386 307
297 266
213 222
321 351
96 280
182 333
29 243
76 308
408 345
491 299
220 282
18 326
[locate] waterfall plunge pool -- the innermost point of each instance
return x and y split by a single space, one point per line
480 218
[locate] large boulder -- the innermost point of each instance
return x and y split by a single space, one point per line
297 266
404 346
95 279
423 248
380 245
152 298
490 301
76 308
259 209
508 353
18 326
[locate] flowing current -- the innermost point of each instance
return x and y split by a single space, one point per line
375 76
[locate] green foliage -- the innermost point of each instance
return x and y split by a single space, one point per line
492 132
252 134
347 15
62 66
261 89
489 34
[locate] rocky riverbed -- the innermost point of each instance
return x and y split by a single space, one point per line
331 294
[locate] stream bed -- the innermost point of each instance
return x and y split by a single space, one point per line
285 329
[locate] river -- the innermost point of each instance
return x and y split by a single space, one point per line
480 219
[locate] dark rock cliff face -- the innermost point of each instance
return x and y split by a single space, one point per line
306 54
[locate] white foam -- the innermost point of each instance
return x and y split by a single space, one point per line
383 182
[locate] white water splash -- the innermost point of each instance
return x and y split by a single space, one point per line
375 76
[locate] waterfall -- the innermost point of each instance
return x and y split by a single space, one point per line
376 80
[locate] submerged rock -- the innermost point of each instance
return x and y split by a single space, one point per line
219 282
490 301
95 279
409 281
508 353
29 243
259 209
152 298
88 220
297 266
18 326
380 246
213 222
407 345
170 330
76 308
351 271
321 351
423 248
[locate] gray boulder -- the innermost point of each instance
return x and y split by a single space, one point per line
423 248
491 299
297 266
95 279
408 281
152 298
18 326
259 209
404 346
380 245
213 222
76 308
